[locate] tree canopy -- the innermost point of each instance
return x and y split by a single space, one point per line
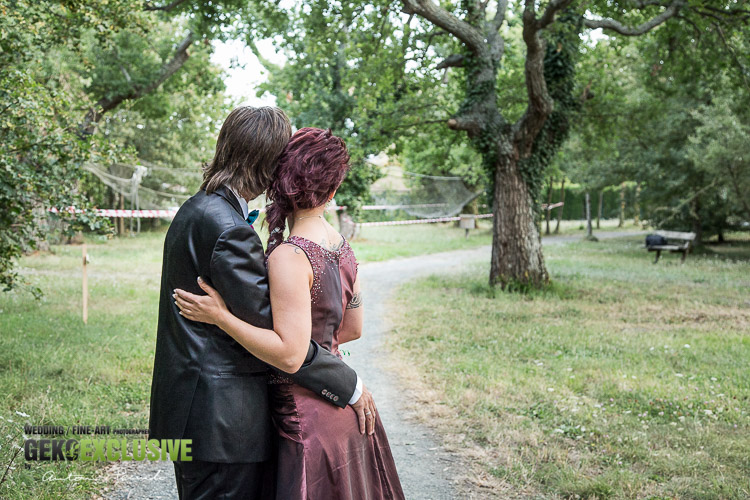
654 92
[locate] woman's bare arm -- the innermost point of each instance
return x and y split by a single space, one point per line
351 326
286 346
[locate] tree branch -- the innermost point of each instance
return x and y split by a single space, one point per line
549 13
727 12
465 122
455 60
645 3
733 53
262 60
497 21
618 27
587 94
164 8
722 16
440 17
109 103
416 124
496 42
540 103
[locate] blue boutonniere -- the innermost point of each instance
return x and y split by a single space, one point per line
252 216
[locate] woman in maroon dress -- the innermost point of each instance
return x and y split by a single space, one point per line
314 289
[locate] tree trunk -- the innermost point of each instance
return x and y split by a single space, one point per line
697 223
589 230
41 220
562 207
622 205
637 205
121 220
743 199
474 205
548 211
112 202
516 246
347 226
599 211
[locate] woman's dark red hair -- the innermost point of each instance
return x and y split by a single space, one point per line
310 169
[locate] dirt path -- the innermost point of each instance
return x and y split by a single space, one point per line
425 468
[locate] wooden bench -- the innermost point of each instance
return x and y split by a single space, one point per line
676 242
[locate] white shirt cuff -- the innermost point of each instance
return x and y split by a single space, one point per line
357 392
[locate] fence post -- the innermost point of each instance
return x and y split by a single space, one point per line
85 285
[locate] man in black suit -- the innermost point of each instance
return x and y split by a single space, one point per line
206 387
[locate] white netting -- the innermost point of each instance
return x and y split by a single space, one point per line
423 196
126 180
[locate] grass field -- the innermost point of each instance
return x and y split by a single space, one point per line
622 380
60 372
56 371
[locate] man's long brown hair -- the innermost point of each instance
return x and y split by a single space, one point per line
249 145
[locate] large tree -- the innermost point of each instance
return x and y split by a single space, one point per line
517 151
385 64
40 151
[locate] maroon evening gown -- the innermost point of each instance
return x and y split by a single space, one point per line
322 455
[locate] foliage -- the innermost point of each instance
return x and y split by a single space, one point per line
719 148
350 67
173 129
385 75
561 52
63 66
444 153
41 150
650 98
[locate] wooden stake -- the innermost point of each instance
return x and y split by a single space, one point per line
85 286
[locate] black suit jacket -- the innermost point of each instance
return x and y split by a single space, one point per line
207 387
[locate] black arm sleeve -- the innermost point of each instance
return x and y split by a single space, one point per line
238 273
327 376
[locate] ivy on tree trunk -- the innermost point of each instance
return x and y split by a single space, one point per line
518 152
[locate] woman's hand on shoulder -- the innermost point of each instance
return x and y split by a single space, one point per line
209 308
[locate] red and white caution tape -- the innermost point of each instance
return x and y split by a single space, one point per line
145 214
126 214
418 221
170 213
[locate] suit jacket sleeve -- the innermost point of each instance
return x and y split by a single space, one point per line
327 376
238 273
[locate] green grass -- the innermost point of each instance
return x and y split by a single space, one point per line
388 242
59 371
622 379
